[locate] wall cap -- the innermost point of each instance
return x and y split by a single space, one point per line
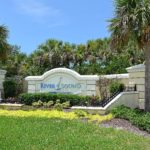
136 68
117 76
76 75
62 70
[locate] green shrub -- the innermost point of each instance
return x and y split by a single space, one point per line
81 113
57 101
9 88
49 104
66 105
37 104
40 103
58 105
135 116
44 104
94 101
116 86
29 98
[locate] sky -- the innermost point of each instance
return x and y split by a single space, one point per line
32 22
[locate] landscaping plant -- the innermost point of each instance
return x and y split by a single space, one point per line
135 116
29 98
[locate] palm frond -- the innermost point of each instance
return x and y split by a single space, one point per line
131 20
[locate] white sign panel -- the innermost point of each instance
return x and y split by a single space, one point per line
63 80
61 83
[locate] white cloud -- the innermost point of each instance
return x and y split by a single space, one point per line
36 9
41 12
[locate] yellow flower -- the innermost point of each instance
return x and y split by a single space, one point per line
54 114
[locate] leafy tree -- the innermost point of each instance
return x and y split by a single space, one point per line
15 62
132 21
4 46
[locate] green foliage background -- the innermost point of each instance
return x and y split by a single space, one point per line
94 57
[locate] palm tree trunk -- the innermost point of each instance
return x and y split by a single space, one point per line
147 77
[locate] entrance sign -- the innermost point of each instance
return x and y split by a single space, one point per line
62 83
62 80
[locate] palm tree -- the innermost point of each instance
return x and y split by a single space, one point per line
132 22
4 46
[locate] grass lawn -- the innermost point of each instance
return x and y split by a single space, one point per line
43 133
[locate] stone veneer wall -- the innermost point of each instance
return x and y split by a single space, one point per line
137 76
2 77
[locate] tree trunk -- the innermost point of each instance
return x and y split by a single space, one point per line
147 77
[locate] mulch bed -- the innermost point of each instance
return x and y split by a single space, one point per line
124 125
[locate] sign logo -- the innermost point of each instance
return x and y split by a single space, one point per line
61 85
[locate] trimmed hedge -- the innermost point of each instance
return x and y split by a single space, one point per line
115 87
135 116
29 98
9 88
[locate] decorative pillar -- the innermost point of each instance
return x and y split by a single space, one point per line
2 78
137 77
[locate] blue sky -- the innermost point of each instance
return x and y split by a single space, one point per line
32 22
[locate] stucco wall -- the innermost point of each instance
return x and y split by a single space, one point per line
69 77
121 78
2 78
89 83
129 99
137 76
90 86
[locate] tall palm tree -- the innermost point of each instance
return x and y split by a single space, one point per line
4 46
132 21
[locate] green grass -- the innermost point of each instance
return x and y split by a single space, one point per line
33 133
